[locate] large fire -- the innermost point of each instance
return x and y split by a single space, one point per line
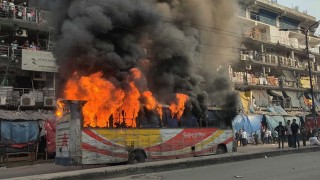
177 108
111 106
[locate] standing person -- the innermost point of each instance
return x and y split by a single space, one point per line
304 134
237 137
255 137
289 133
295 131
281 133
262 135
266 137
244 138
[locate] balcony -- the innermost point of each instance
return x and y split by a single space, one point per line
21 14
255 19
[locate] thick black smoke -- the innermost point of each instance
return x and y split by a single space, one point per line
183 40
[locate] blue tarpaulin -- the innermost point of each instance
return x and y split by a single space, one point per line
249 123
273 121
19 132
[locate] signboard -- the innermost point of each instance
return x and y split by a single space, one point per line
38 61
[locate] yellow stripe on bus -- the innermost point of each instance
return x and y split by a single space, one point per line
127 137
210 139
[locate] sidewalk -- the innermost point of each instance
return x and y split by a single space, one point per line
52 171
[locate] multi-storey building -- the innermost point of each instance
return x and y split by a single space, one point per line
27 67
274 66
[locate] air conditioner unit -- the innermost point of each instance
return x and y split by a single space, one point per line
268 58
290 62
248 67
39 76
272 59
286 63
243 57
49 102
276 59
27 101
3 100
268 70
281 60
21 33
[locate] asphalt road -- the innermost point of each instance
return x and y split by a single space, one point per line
288 167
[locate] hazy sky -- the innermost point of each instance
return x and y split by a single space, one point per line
311 6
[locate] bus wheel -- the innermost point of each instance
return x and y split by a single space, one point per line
137 157
221 149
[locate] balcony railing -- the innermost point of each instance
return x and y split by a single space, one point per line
259 18
10 51
258 35
23 13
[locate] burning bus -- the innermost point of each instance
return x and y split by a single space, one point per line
135 140
138 76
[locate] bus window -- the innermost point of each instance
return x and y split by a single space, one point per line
212 119
148 119
170 122
188 120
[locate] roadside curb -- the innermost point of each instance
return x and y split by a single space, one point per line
158 166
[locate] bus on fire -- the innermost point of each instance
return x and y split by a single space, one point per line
147 137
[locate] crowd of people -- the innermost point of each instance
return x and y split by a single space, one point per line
290 133
14 48
9 9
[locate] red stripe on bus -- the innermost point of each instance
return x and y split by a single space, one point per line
186 138
91 148
190 154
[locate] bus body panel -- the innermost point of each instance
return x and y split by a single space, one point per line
82 145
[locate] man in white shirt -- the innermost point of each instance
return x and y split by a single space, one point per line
244 137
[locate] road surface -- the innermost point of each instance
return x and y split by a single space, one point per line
304 166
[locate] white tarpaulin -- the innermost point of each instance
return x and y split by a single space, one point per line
295 102
38 61
25 115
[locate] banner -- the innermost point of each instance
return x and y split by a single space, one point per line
38 61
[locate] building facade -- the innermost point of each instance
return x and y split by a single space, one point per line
273 67
27 66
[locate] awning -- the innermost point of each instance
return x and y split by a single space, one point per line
25 115
289 76
277 110
245 101
301 99
294 99
261 98
273 121
275 93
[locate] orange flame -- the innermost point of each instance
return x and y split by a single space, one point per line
131 106
103 98
151 103
178 107
59 110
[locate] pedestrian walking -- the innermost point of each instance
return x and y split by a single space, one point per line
289 133
281 134
255 137
295 131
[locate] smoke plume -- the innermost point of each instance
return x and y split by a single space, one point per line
177 44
